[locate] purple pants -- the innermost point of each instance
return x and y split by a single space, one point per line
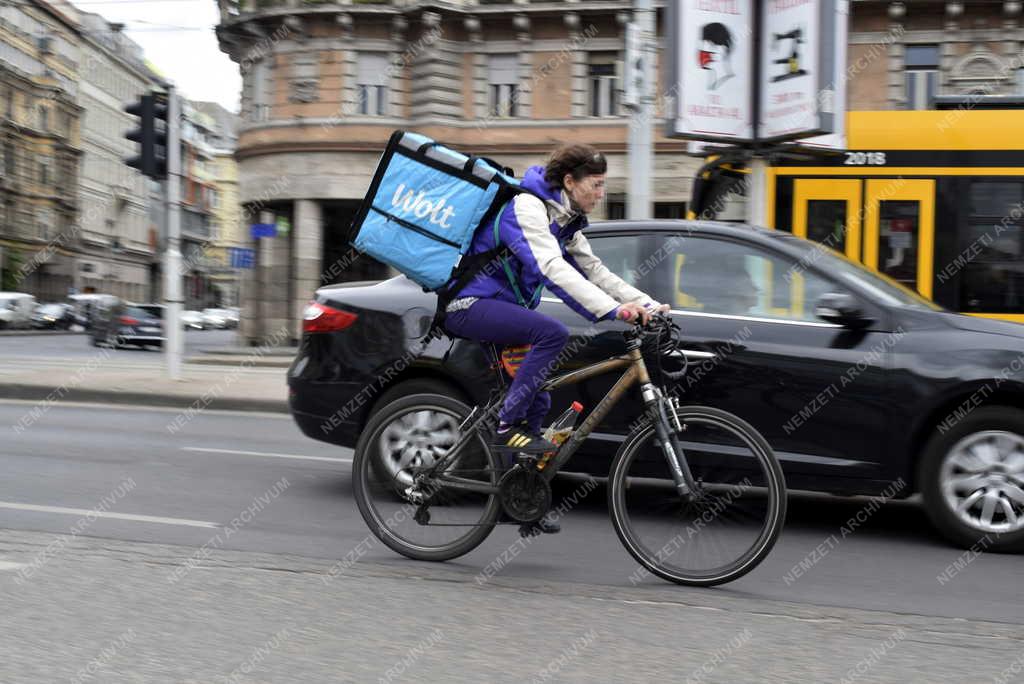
503 323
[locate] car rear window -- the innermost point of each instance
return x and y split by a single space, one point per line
136 312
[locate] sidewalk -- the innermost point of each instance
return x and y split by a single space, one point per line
227 387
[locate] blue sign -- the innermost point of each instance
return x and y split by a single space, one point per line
241 257
263 230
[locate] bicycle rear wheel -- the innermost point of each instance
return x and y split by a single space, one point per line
402 439
728 529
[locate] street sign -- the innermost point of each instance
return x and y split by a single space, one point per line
836 140
710 52
798 72
260 230
284 226
241 257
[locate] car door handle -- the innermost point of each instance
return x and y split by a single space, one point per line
691 354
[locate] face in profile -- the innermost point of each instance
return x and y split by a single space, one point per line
715 53
587 192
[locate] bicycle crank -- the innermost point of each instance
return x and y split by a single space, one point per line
525 494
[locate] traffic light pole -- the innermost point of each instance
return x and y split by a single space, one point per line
638 204
173 295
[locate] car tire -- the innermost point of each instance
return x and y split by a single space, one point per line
999 433
407 388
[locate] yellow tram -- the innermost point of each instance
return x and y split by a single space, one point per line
934 199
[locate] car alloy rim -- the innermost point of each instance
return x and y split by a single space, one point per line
416 439
982 480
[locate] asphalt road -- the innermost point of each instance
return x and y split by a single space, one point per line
74 347
298 493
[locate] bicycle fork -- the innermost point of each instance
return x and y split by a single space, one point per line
666 425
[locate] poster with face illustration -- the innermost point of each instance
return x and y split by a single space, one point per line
710 45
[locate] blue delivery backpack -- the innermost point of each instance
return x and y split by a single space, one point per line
424 204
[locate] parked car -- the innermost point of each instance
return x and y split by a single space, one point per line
860 385
234 316
86 306
216 319
192 320
16 310
54 317
121 323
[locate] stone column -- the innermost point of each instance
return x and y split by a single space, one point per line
308 249
272 309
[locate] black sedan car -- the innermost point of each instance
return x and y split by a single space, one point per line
118 323
860 385
55 317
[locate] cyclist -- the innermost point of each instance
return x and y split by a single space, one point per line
543 233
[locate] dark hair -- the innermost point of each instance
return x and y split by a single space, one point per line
575 159
717 34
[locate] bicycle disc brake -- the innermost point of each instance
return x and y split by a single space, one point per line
525 494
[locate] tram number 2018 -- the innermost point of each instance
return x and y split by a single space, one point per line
865 159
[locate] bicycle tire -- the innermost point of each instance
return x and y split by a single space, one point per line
776 489
363 469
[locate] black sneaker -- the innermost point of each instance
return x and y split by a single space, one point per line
518 439
543 526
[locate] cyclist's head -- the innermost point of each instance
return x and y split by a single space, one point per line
579 170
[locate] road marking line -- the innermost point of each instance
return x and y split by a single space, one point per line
299 457
103 514
8 565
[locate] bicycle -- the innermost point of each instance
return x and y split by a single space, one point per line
687 481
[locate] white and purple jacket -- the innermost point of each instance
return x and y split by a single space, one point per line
549 249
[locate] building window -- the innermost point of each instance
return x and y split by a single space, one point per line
922 77
372 75
9 104
503 85
670 210
9 159
260 110
616 208
44 118
604 87
44 173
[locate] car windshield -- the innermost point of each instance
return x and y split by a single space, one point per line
51 309
850 272
136 312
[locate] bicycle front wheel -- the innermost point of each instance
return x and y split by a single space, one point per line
723 532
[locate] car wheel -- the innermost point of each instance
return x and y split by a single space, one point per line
972 480
404 442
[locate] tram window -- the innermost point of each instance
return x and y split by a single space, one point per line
899 222
993 280
826 223
995 198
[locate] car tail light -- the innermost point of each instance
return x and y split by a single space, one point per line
128 320
319 318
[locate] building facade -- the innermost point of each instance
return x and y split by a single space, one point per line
226 229
118 241
325 85
40 148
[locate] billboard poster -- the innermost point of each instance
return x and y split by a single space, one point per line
711 43
797 99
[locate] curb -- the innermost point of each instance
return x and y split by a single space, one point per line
108 396
231 360
24 333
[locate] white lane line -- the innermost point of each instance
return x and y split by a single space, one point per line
8 565
103 514
299 457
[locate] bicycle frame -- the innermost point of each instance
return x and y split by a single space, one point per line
635 372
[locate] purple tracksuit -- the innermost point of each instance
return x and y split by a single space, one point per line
548 249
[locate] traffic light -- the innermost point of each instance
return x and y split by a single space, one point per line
160 108
151 135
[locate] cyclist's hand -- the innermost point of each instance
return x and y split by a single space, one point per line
662 308
631 311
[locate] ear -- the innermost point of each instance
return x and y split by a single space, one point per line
568 181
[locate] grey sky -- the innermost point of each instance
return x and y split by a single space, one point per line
178 38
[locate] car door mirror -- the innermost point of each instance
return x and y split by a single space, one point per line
842 309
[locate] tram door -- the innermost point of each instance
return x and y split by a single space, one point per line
888 224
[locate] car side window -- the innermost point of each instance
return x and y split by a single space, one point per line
625 256
738 279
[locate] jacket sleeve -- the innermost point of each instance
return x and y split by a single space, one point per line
537 249
600 275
